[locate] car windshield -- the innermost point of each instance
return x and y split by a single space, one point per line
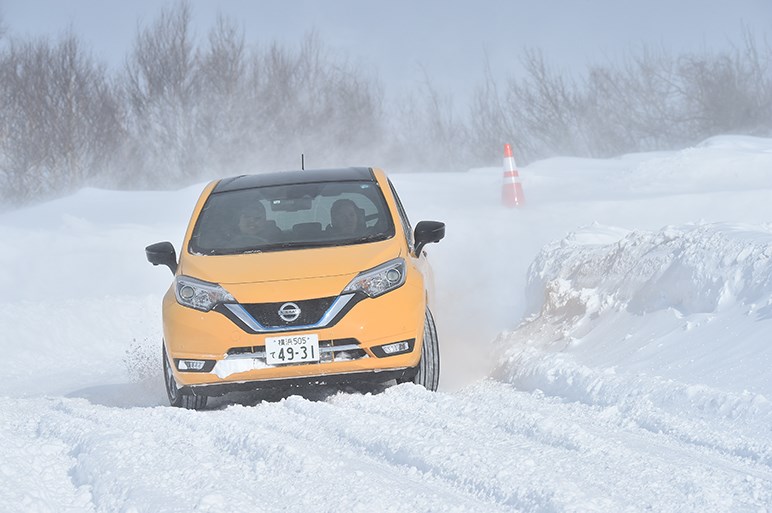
291 216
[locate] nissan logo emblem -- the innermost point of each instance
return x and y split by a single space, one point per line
289 312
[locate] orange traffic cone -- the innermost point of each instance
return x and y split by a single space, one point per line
511 188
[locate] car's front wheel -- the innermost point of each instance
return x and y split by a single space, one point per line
177 397
428 371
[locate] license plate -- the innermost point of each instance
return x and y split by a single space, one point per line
292 349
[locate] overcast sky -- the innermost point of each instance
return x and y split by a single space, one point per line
400 40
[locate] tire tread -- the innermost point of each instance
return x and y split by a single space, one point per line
428 374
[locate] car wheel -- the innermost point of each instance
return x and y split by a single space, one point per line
177 397
428 374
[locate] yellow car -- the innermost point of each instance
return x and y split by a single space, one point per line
296 278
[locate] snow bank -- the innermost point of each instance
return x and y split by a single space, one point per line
691 269
653 323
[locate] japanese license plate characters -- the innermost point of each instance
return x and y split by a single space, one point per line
292 349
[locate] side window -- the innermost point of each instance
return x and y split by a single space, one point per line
403 217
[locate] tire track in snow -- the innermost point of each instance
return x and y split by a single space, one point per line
731 424
135 466
274 431
35 473
417 431
530 452
146 460
558 440
488 447
684 476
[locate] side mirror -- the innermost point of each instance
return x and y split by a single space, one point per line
426 232
162 253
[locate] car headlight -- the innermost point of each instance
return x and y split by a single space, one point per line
198 294
379 280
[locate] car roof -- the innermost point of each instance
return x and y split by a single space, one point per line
291 177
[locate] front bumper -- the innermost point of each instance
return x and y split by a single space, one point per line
234 352
369 377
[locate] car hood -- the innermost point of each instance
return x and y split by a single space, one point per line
289 265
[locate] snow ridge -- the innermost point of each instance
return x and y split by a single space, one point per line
708 286
691 268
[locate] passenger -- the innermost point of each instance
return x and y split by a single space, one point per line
253 225
346 218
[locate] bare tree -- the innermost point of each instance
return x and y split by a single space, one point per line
196 111
650 101
728 92
161 92
315 103
59 118
428 134
489 124
225 113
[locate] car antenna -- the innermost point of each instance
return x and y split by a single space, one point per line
302 162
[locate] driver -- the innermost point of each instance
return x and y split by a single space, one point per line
253 225
346 217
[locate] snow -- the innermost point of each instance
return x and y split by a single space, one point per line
604 348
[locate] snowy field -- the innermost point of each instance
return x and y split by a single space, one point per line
607 348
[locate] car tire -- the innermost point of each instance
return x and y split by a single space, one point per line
428 370
177 396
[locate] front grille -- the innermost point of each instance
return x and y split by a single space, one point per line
311 310
313 313
338 350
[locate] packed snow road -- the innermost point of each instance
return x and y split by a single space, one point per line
605 348
486 448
